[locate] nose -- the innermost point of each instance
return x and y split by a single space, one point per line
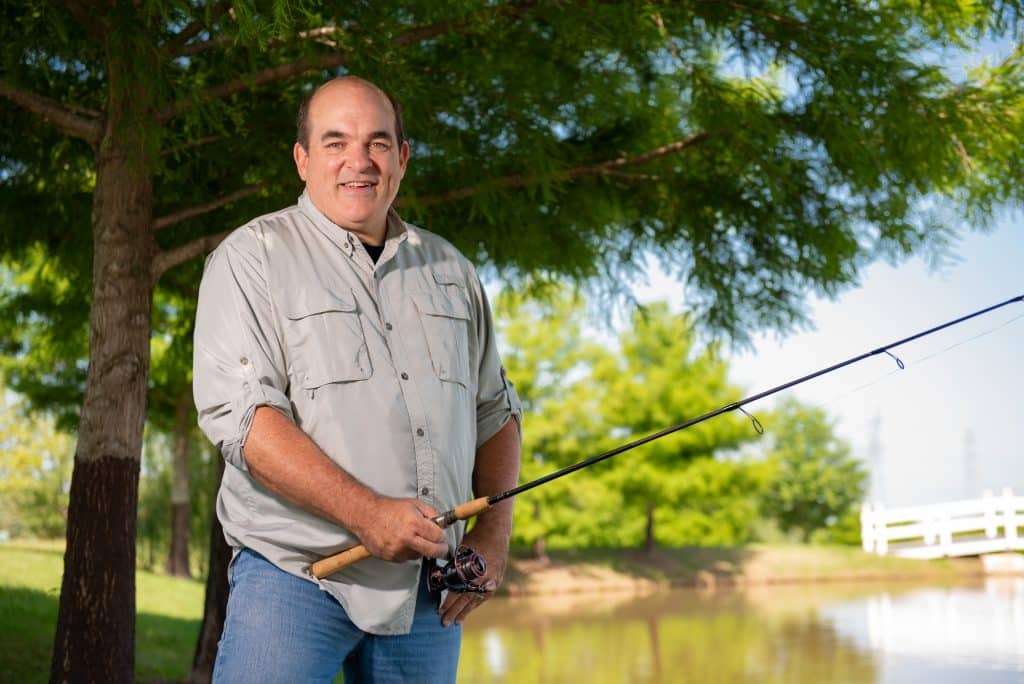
358 157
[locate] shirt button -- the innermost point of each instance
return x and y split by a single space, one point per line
405 376
387 326
425 491
244 361
419 431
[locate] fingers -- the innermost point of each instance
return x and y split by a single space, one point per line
457 607
402 530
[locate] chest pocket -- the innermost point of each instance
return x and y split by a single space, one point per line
325 338
445 318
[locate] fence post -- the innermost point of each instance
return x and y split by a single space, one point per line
867 529
881 531
991 522
1010 517
945 523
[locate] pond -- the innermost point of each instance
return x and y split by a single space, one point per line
816 633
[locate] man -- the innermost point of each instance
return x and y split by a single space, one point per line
345 365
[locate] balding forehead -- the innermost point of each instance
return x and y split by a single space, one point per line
352 82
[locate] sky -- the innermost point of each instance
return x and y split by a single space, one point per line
949 425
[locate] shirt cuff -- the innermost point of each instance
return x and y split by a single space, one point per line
493 415
254 394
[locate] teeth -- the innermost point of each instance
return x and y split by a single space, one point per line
357 184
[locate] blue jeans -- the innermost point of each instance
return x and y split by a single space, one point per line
282 628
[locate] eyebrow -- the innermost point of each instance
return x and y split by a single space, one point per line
376 135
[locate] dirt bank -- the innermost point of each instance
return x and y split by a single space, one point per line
637 571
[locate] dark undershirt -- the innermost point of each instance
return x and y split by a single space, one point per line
373 250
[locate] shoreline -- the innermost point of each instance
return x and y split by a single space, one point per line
710 568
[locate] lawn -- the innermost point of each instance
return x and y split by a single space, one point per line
169 611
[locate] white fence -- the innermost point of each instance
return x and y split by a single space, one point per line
970 527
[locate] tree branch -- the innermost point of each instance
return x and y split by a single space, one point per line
198 210
608 168
89 130
249 81
177 47
168 259
333 59
452 26
94 24
206 140
317 34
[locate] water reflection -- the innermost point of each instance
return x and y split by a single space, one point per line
816 633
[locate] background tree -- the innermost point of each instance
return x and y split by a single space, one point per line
581 398
35 471
172 411
760 151
660 376
817 483
545 350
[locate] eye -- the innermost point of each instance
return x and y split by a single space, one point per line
380 146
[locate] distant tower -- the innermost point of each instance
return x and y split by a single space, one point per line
970 465
876 461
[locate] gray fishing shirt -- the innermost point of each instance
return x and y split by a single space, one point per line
391 369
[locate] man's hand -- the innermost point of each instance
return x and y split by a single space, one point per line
401 530
285 460
497 470
492 544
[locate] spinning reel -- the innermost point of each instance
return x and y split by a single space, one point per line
458 572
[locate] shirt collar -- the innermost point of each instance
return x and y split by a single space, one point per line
344 239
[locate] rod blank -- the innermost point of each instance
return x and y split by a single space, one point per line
470 509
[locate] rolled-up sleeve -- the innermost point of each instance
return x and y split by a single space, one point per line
496 399
238 360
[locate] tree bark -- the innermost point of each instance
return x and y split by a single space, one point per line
216 606
177 557
649 531
540 547
95 635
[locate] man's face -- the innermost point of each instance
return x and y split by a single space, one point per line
354 164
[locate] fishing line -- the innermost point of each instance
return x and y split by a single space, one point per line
470 509
918 362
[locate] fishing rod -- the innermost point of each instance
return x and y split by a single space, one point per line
463 566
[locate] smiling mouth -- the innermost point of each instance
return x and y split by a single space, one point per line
355 185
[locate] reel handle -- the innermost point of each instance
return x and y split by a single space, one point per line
332 564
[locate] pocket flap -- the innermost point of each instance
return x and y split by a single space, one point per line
440 304
308 302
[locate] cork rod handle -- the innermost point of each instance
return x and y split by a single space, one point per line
332 564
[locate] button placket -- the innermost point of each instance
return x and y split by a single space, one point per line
391 320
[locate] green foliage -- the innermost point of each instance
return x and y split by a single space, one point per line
692 487
582 399
661 377
35 472
817 483
759 152
154 515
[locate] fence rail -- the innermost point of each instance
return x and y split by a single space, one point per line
970 527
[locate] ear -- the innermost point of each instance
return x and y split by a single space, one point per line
403 155
301 160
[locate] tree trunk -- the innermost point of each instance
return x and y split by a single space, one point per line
216 606
649 531
540 547
177 558
95 635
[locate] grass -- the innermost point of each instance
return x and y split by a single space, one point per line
167 624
